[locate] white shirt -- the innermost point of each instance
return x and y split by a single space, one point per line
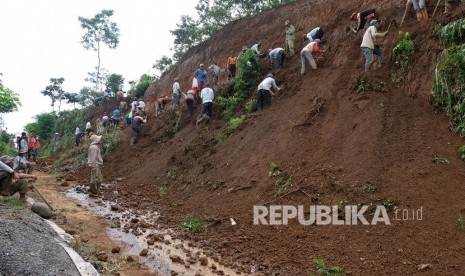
309 47
369 37
215 68
176 88
105 118
141 105
88 125
207 95
134 105
77 131
267 84
255 48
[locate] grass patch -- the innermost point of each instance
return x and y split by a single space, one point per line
283 180
451 33
321 269
462 152
438 160
11 202
251 106
193 224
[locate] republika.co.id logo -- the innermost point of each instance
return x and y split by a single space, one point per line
329 215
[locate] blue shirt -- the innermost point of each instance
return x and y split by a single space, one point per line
201 75
313 32
116 114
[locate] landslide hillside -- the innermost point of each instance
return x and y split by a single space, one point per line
338 146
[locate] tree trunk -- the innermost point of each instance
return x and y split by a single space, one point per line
97 84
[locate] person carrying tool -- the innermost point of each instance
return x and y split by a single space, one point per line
315 33
264 92
215 71
362 18
289 43
369 46
311 52
160 104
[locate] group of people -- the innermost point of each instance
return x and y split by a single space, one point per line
14 172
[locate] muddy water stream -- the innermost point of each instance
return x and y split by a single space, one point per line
165 255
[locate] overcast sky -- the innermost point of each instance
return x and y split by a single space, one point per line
40 39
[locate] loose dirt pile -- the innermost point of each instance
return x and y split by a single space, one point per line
338 146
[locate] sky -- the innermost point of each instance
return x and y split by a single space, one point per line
41 40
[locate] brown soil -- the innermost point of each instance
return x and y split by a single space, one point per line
329 138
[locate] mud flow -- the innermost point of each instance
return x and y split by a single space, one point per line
140 234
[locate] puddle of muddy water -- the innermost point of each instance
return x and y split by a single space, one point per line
165 254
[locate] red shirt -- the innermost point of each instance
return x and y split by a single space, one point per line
32 142
37 144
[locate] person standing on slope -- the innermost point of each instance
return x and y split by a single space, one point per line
362 18
216 70
311 52
369 46
231 65
207 96
289 43
264 92
201 76
315 33
94 160
276 57
136 127
420 9
189 97
176 93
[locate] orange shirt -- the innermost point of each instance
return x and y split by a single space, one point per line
37 144
231 60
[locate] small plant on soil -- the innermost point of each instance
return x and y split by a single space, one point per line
401 53
461 221
251 106
370 187
283 179
326 271
163 189
438 160
233 125
462 152
193 224
391 204
451 33
363 86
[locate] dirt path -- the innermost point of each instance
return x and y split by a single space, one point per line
88 229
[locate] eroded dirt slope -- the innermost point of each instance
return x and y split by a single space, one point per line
332 140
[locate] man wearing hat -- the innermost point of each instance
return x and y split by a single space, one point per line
290 30
264 92
369 46
94 161
12 182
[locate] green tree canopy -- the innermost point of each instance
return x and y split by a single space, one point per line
99 29
114 81
55 92
9 100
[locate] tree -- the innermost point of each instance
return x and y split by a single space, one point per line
99 30
86 96
187 34
163 64
114 81
142 85
97 78
9 100
55 92
71 98
44 125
